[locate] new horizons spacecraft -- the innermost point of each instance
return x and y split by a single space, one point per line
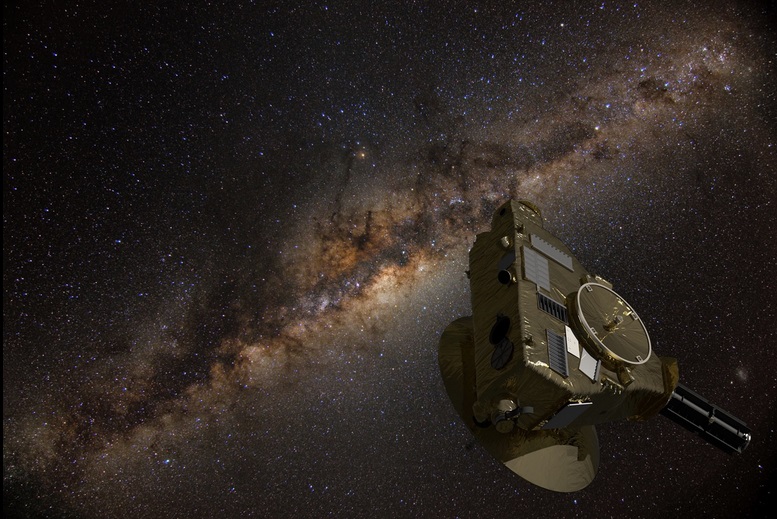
550 351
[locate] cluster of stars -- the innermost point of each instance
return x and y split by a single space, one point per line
233 235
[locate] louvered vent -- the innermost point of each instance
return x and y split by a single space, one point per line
552 307
557 353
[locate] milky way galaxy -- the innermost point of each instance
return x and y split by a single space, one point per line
233 235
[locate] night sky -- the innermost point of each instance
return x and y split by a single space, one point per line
232 236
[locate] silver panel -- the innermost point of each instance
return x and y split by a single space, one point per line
589 365
535 268
573 345
552 252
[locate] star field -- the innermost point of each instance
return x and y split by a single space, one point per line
233 235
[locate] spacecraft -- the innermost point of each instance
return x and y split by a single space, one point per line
550 351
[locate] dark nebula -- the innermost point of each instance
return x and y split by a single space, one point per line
232 236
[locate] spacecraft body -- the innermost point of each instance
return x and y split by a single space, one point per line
550 351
